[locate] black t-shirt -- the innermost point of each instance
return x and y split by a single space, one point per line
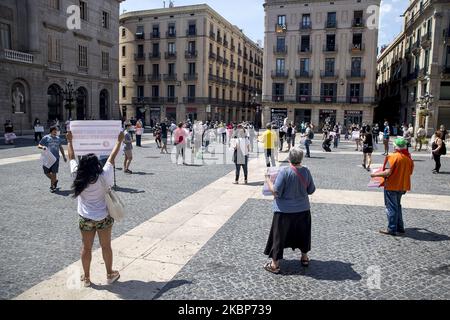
289 132
163 130
369 141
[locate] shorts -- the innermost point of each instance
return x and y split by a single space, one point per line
164 140
91 225
128 153
54 168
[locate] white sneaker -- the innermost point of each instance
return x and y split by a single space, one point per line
113 277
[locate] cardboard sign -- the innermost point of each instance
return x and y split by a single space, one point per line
97 137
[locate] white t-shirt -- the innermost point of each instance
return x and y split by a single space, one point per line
91 202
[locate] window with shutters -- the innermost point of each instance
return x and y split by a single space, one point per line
54 49
105 20
5 36
54 4
83 10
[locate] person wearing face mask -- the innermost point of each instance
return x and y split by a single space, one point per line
241 146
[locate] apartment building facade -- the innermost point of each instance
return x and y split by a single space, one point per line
187 62
42 50
320 61
417 65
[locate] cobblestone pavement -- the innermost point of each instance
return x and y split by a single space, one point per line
38 230
39 236
346 252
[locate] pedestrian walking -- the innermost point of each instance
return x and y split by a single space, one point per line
282 134
438 149
241 150
407 136
386 135
308 136
326 144
139 133
181 136
376 132
396 173
294 134
128 149
164 134
53 143
367 140
90 185
420 138
268 140
289 133
291 223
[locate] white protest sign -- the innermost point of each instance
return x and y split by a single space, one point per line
97 137
48 159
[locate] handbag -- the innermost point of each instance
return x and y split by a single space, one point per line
114 204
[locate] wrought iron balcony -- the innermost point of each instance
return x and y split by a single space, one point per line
154 55
306 49
303 74
329 74
154 77
139 78
139 56
305 25
190 54
170 77
155 35
330 48
330 24
191 32
190 76
358 23
212 56
170 55
281 74
352 74
357 47
171 34
282 50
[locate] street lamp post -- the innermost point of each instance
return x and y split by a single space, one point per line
425 102
69 96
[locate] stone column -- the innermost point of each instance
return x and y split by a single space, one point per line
33 26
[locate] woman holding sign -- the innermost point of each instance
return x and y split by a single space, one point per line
91 180
291 225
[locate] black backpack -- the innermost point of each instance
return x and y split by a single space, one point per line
443 149
311 135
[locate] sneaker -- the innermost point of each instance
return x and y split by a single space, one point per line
113 277
128 171
387 232
364 166
52 189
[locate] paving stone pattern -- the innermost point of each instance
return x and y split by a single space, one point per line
345 243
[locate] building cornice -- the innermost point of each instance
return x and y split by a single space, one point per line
268 3
82 36
54 27
400 37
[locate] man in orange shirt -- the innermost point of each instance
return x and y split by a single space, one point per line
397 170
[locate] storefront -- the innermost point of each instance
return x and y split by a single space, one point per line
278 116
302 115
155 116
353 116
327 116
171 114
191 114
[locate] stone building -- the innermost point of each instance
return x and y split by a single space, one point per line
187 62
417 64
320 61
42 49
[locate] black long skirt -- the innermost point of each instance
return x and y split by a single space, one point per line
289 230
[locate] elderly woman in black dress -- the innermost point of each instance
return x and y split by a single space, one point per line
291 225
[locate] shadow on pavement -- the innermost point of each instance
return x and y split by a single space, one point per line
139 290
255 184
128 190
64 193
320 270
143 173
425 235
171 285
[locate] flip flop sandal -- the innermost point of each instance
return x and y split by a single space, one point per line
268 267
86 281
113 277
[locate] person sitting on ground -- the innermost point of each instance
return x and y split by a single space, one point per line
291 224
91 182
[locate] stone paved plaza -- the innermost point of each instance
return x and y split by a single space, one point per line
191 234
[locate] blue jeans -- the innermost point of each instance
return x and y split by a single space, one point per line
392 201
307 143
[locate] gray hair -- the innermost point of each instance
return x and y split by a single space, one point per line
296 156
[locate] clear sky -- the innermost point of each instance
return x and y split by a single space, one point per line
249 14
